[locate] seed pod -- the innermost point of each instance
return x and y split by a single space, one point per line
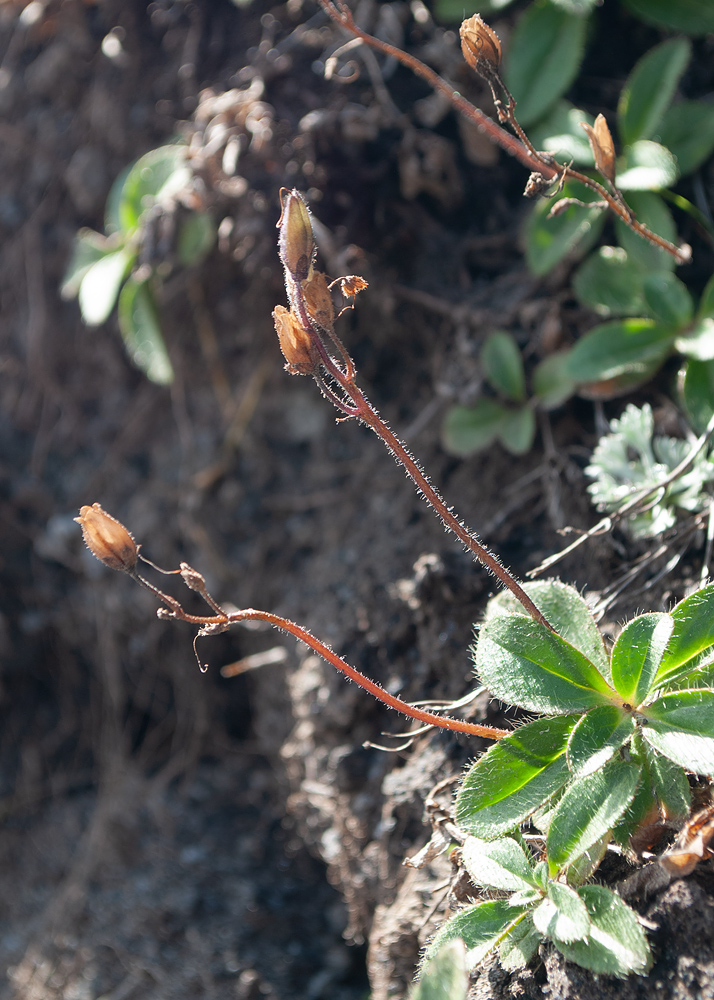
295 343
318 299
480 46
602 146
296 243
108 539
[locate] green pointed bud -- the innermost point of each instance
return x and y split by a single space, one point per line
296 243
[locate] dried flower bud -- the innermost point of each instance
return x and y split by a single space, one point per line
480 46
192 578
318 299
296 243
295 343
351 285
108 539
602 146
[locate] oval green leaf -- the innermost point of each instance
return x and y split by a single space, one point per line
517 430
499 864
572 232
687 130
519 945
668 299
100 286
694 17
562 916
444 977
481 927
139 325
157 176
692 635
609 283
617 945
649 90
560 133
622 347
503 365
468 429
652 211
637 655
680 725
698 342
89 247
551 383
696 381
596 738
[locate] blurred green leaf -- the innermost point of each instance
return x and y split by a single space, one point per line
468 429
646 166
610 283
706 302
698 341
196 238
617 944
517 430
696 382
447 11
560 133
139 325
158 175
112 215
571 232
503 365
621 347
89 247
687 130
444 977
668 299
652 212
100 286
694 17
543 58
551 383
480 927
649 90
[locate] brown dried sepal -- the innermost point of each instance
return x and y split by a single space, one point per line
351 285
318 300
481 47
692 844
602 146
108 539
296 242
295 343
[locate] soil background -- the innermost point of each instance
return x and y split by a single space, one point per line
172 833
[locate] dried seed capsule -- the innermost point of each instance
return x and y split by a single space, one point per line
602 146
318 299
295 343
108 539
480 46
296 243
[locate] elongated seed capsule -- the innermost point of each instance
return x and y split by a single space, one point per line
296 243
108 539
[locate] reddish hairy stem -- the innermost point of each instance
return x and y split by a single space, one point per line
340 13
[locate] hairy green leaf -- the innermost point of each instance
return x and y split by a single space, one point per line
139 325
481 927
500 864
444 977
562 915
596 738
516 776
637 654
588 809
519 945
570 233
680 725
543 59
649 89
523 663
692 635
617 945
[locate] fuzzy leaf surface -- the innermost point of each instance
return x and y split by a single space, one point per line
519 945
637 654
516 776
499 864
649 89
680 725
523 663
597 737
617 944
445 976
481 927
588 809
692 635
562 915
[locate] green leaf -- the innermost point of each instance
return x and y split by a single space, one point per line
667 299
621 347
468 429
596 738
680 725
500 864
551 383
616 945
646 166
155 177
649 90
89 247
562 916
560 133
587 810
503 365
571 233
523 663
139 325
669 784
519 945
610 283
650 210
481 927
589 861
697 391
100 286
637 654
694 17
544 56
566 611
514 777
698 341
445 976
517 430
112 216
706 303
692 635
687 130
446 11
196 238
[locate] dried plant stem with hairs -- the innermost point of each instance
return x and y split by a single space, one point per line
482 51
